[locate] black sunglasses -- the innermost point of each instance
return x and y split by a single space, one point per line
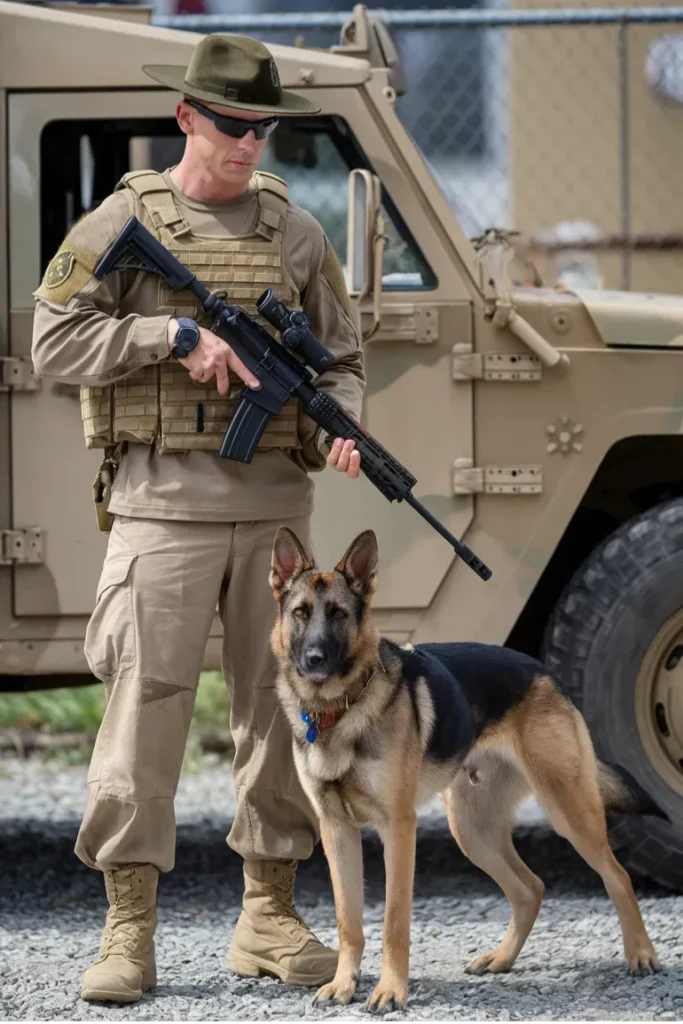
237 127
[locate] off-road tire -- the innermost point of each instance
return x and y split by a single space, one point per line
595 641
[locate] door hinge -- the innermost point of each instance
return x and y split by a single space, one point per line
506 366
469 479
17 374
21 547
426 325
408 322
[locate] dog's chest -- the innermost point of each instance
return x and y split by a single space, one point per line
350 784
327 760
359 794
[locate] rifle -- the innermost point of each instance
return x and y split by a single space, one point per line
281 375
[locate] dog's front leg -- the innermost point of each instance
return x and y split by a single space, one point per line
342 844
391 992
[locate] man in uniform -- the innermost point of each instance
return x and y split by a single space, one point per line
191 531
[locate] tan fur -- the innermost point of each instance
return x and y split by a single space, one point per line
372 769
541 747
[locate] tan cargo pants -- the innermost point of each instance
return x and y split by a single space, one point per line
156 598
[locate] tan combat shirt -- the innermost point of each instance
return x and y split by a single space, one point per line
94 333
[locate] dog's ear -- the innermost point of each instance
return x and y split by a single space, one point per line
360 563
288 560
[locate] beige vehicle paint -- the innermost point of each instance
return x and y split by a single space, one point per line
536 419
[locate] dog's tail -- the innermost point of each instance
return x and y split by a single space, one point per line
620 792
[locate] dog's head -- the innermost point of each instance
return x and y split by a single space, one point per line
323 627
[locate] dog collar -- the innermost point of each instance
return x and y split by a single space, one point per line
317 720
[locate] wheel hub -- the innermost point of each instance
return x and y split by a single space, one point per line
659 702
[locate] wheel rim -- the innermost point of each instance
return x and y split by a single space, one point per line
659 702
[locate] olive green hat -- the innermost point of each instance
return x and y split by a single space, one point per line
236 71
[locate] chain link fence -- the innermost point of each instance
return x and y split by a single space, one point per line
559 124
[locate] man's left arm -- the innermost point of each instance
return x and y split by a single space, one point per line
326 302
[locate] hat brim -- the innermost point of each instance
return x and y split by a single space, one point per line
173 77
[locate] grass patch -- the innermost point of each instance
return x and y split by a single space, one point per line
79 710
72 709
212 704
210 726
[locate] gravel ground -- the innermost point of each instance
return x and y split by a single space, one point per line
52 909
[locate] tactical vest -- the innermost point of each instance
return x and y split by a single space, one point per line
160 404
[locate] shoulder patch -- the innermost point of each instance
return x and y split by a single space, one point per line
59 268
68 272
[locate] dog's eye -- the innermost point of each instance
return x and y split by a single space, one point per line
302 612
338 613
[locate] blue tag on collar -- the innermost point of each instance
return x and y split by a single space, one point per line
312 733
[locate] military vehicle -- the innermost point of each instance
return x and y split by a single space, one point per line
544 425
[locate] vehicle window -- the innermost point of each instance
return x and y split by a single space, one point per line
313 155
80 163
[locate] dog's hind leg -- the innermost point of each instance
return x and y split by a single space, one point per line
557 757
481 804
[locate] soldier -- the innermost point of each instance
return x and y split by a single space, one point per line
191 531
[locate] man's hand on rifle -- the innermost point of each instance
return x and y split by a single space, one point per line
212 357
344 458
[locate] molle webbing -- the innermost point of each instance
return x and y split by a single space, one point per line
161 404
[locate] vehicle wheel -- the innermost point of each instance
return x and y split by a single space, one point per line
615 640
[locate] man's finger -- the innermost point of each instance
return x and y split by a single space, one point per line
222 379
240 369
343 461
333 455
354 464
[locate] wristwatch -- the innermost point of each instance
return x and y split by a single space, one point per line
186 338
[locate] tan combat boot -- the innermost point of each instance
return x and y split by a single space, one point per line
270 938
126 966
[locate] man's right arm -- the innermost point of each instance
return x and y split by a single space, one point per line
77 337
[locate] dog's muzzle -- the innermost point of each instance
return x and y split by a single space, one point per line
314 658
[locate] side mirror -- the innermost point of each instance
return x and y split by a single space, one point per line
365 241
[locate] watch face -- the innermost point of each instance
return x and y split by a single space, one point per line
186 338
187 335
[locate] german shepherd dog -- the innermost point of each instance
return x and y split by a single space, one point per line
378 728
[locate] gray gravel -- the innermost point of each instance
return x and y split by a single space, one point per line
52 909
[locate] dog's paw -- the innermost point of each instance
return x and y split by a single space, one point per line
494 962
340 990
388 997
643 961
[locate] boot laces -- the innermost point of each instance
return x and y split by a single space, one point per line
282 893
122 933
